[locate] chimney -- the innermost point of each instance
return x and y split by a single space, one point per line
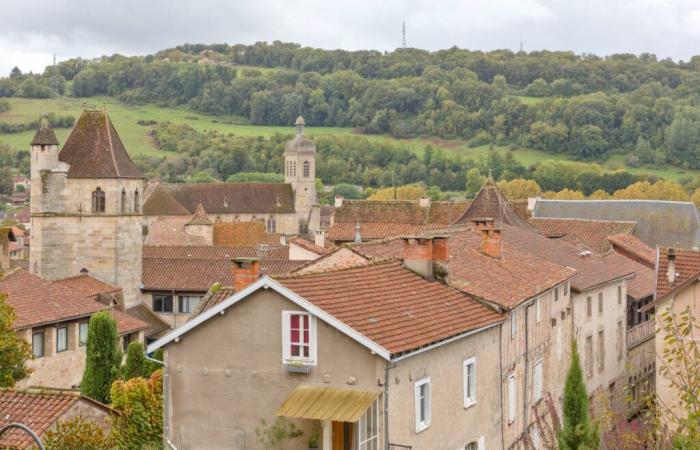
245 272
671 272
338 201
424 202
491 243
482 223
418 256
320 238
283 239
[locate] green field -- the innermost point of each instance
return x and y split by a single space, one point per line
138 141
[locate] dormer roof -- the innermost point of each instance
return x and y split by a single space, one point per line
94 150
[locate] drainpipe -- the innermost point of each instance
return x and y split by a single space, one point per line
166 403
500 388
386 404
527 367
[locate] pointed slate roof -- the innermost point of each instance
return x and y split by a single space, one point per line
490 202
200 217
94 150
44 134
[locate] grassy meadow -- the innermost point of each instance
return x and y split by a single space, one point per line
138 141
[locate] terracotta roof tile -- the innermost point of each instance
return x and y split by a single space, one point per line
156 325
199 217
345 232
243 234
159 202
634 248
38 411
490 202
233 198
126 323
391 305
88 286
170 230
593 233
687 269
307 245
93 149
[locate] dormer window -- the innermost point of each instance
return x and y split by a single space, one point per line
299 338
98 201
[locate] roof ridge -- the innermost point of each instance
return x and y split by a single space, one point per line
585 220
385 260
109 141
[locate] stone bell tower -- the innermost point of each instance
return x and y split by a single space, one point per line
300 172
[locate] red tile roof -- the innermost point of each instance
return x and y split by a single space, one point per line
307 245
39 302
198 268
126 323
345 232
199 217
243 234
687 269
93 149
634 248
233 198
170 230
593 233
39 410
159 202
490 202
391 305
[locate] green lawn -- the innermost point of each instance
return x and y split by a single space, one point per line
138 141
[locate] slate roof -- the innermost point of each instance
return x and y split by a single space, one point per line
44 135
37 409
663 223
93 149
39 302
198 268
687 268
232 198
391 305
490 202
593 233
633 247
159 202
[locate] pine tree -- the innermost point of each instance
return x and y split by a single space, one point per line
135 361
577 433
102 357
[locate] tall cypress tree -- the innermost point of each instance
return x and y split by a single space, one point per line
103 357
135 361
577 433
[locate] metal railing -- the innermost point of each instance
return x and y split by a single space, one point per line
640 333
26 429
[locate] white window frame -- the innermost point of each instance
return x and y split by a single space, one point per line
537 380
187 300
469 383
512 398
287 357
538 310
61 348
476 445
81 342
422 424
369 442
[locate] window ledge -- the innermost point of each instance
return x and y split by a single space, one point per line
422 427
469 404
303 367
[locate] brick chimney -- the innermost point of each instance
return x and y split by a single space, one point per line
491 243
245 272
426 256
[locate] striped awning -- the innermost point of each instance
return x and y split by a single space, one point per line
321 402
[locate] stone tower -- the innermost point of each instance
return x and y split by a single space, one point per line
86 202
300 172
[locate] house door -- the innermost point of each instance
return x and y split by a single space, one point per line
343 435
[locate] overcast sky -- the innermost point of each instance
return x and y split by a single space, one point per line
32 30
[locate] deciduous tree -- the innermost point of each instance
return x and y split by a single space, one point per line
14 351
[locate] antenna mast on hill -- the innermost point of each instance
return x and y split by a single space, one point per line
55 75
403 35
521 46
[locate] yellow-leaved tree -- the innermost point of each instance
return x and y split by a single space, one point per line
519 189
407 192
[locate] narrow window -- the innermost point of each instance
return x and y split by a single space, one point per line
511 399
83 334
163 303
566 289
513 324
123 201
38 344
98 201
299 337
307 169
368 429
61 339
271 225
589 356
556 294
600 303
137 202
537 382
601 351
422 399
537 309
620 342
589 307
619 294
469 374
188 303
126 339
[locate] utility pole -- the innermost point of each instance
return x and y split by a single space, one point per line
403 35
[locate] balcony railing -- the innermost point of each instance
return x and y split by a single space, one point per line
640 333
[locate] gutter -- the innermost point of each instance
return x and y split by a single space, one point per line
166 402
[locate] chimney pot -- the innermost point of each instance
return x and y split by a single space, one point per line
320 238
338 201
245 272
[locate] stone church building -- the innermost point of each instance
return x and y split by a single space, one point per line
91 207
